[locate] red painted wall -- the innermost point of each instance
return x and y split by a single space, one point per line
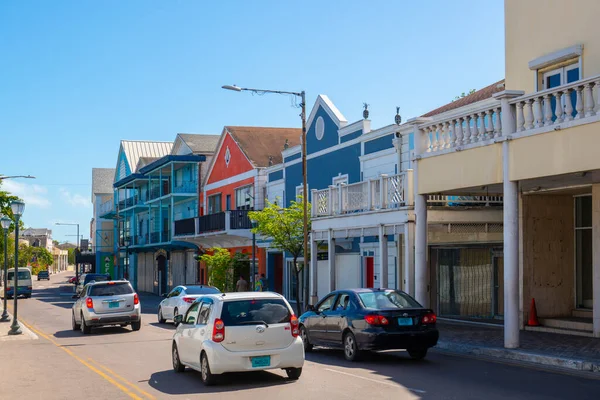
238 162
228 189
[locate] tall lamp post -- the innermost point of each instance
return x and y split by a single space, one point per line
5 222
17 208
77 248
126 243
302 96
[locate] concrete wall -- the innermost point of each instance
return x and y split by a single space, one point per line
548 254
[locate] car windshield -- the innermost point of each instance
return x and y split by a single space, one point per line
111 289
387 299
267 311
20 276
96 278
201 290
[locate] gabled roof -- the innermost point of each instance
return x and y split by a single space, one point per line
102 179
37 232
135 149
258 143
330 108
198 144
143 161
481 94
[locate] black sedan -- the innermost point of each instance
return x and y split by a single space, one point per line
369 319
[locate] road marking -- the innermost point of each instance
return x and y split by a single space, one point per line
148 395
375 380
91 367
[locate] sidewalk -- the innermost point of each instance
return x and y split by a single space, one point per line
547 349
5 327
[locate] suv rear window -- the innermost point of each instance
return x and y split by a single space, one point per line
201 290
243 312
387 299
111 290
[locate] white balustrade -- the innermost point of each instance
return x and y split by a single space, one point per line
444 200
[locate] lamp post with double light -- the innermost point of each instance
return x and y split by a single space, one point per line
17 207
5 223
302 96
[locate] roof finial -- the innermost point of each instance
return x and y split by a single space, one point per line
270 160
366 111
398 118
286 145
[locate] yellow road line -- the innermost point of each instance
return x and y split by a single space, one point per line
148 395
91 367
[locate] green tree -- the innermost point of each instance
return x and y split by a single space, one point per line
5 199
284 225
11 251
38 257
219 267
463 94
71 256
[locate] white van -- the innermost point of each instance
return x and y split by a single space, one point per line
24 283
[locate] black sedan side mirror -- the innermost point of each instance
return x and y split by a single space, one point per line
310 307
178 319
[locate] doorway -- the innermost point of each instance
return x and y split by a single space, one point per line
583 251
369 272
162 274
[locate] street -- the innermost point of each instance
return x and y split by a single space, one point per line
117 363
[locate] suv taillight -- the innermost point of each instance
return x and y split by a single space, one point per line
89 302
294 325
218 331
376 320
188 299
429 318
136 299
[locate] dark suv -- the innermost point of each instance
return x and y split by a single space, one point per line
43 275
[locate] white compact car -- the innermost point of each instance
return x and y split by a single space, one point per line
180 299
237 332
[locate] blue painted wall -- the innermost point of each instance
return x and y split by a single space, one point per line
330 137
351 136
275 176
382 143
322 169
293 157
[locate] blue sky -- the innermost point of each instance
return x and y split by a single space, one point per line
79 76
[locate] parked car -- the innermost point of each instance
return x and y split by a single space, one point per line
72 279
106 303
358 320
87 278
237 332
180 299
43 275
24 283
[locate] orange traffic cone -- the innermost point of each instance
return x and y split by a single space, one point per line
533 319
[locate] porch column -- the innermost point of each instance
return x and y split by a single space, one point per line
511 227
314 297
596 257
331 262
409 257
383 258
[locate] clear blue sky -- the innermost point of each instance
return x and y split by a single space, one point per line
78 76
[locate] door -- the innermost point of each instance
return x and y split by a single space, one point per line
318 323
200 333
228 202
171 302
369 272
162 274
334 318
187 329
278 271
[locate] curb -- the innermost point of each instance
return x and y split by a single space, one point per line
26 335
522 356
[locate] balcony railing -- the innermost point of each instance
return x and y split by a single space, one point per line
385 192
224 221
165 236
106 208
185 227
465 201
155 237
186 187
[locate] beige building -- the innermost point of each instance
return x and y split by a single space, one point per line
532 141
61 260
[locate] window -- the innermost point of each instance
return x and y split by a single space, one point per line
299 191
387 299
201 290
214 204
111 289
204 313
327 303
175 292
245 312
244 198
192 315
343 302
21 275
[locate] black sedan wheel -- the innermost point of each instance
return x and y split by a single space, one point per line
351 351
417 354
304 335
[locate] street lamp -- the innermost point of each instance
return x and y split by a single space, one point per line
5 223
17 207
302 96
76 266
17 176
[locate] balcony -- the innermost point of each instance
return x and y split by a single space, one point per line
155 192
383 193
190 187
464 201
223 229
106 209
185 227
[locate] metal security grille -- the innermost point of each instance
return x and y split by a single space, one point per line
469 282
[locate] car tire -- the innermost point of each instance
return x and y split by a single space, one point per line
351 350
74 324
85 329
308 347
161 320
177 365
293 373
208 379
136 326
175 313
417 354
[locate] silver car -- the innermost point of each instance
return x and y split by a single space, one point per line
107 303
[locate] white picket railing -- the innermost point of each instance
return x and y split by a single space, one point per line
384 192
443 200
106 207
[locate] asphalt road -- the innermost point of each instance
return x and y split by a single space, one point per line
117 363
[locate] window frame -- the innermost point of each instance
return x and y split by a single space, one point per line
333 296
206 317
250 194
210 204
340 180
191 310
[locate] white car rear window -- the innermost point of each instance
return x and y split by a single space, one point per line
243 312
